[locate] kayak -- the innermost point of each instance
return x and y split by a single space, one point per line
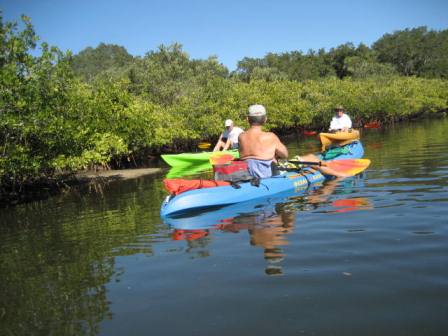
186 159
226 195
179 171
338 138
219 196
215 218
259 209
353 150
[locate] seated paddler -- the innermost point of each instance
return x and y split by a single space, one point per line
341 121
259 148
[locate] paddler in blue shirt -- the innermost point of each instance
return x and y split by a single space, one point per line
258 148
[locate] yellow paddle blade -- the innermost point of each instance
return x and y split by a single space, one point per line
221 158
204 145
348 166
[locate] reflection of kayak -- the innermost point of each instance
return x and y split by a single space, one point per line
216 218
180 171
185 159
227 195
338 138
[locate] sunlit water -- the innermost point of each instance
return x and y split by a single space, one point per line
362 256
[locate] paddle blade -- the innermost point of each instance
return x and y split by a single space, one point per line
218 158
204 145
348 166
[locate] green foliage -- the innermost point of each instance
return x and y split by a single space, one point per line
292 66
415 52
108 58
51 121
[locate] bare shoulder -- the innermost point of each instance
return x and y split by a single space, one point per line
271 135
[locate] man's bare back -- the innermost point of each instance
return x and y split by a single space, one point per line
256 144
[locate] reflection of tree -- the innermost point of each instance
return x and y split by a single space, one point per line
56 258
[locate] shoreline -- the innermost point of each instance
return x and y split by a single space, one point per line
48 187
122 174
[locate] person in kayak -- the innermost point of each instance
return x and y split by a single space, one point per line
258 148
341 121
228 138
261 149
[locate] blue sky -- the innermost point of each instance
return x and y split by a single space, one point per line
228 29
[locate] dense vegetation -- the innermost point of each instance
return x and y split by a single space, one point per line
61 113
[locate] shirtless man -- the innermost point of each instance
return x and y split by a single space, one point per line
258 148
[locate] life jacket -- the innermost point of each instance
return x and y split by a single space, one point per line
177 186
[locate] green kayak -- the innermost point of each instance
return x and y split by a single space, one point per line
181 171
186 159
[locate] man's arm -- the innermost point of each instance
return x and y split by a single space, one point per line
348 122
333 124
217 144
281 152
228 144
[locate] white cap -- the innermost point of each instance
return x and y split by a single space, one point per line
256 111
228 122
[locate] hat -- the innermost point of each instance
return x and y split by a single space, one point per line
228 123
256 111
339 107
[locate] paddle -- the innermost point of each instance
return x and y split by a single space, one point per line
218 158
204 145
344 166
347 167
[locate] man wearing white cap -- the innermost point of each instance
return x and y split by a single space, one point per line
258 148
228 138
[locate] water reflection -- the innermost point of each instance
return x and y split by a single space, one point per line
58 255
105 263
268 221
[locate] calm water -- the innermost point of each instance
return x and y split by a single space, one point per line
364 256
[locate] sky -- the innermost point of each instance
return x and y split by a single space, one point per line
230 29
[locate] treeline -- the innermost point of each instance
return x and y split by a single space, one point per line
410 52
104 107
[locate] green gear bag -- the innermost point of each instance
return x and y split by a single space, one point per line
335 152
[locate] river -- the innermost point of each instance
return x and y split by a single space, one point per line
362 256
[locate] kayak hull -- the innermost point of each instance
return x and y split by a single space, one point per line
338 138
227 195
186 159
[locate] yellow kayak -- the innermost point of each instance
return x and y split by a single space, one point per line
338 138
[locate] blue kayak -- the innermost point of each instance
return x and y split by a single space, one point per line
176 205
209 218
227 195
